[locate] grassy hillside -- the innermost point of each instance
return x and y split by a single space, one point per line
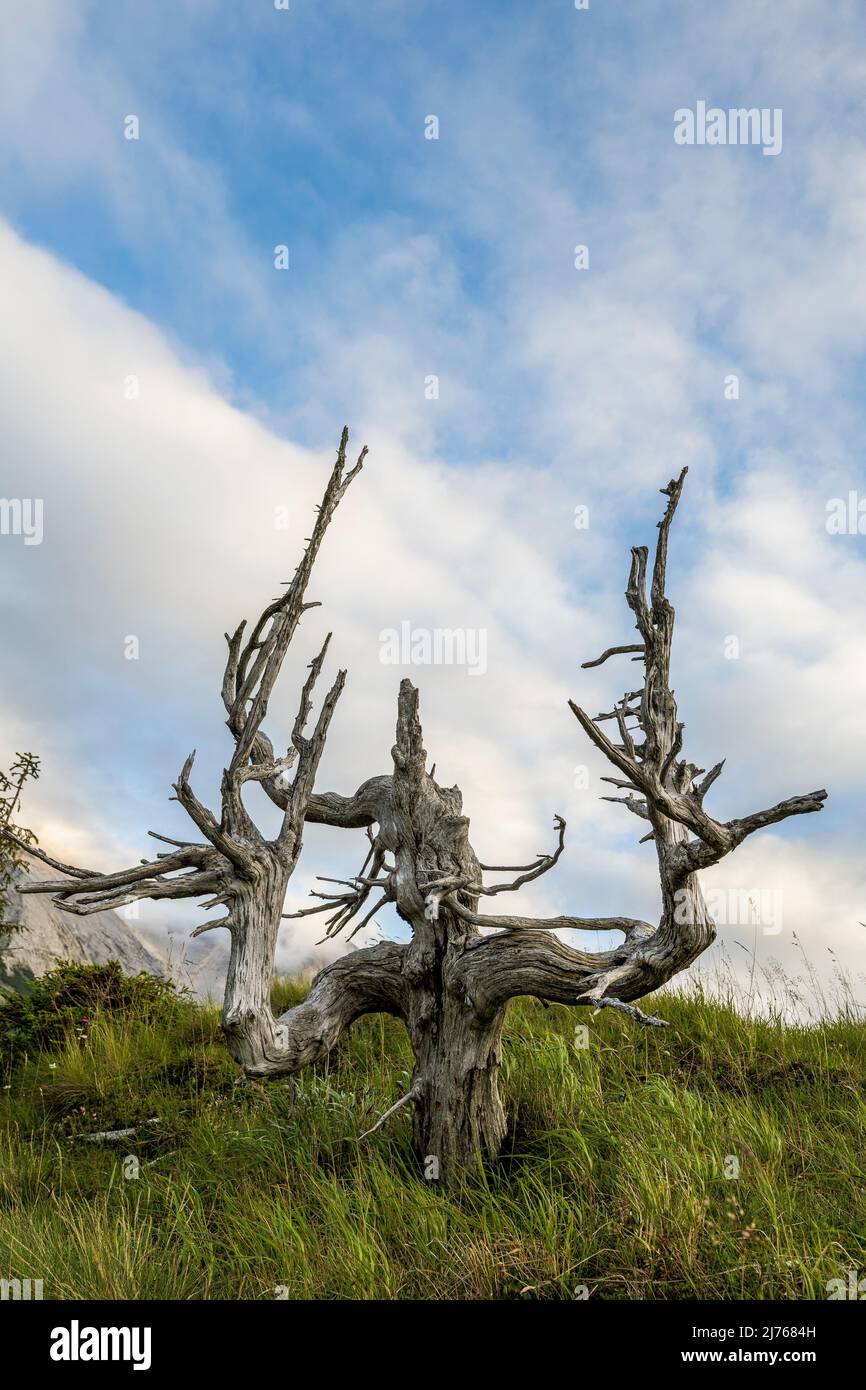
613 1177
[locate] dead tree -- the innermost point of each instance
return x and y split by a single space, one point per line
451 983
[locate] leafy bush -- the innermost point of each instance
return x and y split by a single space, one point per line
68 998
12 783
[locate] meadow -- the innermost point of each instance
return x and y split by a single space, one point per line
722 1157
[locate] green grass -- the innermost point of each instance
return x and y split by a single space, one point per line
613 1176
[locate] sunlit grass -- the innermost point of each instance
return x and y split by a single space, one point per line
613 1176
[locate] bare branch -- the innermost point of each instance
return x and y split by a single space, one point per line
37 853
542 865
211 926
701 789
672 754
672 492
638 807
251 670
369 980
413 1094
627 765
603 1002
794 806
700 853
627 925
612 651
205 820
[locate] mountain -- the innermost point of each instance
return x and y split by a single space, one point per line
50 935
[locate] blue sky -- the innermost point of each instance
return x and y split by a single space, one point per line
558 387
306 127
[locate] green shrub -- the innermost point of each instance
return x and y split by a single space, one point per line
67 1000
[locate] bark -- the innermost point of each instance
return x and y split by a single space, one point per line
459 1116
458 1112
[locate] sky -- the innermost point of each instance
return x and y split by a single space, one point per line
174 399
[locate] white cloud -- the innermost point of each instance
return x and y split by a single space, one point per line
562 388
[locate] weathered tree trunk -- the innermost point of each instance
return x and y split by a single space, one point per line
459 1116
458 1112
248 1022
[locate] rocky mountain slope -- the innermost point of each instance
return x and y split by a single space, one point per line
50 935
